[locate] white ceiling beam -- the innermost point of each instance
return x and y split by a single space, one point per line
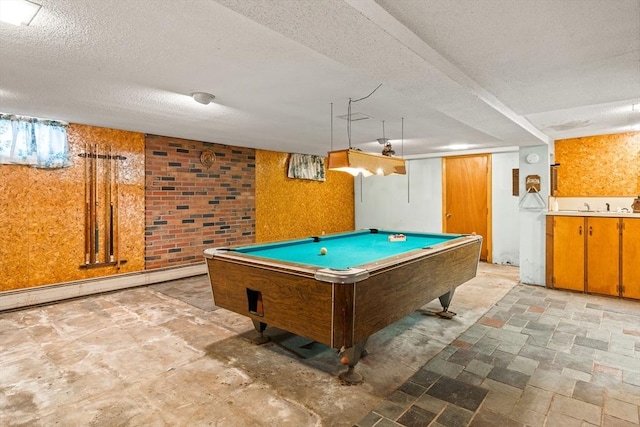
380 17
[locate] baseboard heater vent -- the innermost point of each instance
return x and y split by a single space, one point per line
20 298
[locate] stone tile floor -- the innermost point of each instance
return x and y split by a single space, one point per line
165 355
539 357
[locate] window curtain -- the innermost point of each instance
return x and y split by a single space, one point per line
34 142
306 166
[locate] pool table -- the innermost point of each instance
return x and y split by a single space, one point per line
341 288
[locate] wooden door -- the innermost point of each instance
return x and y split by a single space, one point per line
466 198
630 253
603 255
568 252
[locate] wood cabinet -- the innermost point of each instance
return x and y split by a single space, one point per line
568 252
630 264
599 255
603 255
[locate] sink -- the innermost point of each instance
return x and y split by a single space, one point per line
579 211
596 212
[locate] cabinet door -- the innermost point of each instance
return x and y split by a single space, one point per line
630 258
603 255
568 252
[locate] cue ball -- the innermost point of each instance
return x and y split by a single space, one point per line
323 251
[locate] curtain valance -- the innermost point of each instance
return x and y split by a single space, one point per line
35 142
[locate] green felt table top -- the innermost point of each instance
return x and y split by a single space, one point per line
345 250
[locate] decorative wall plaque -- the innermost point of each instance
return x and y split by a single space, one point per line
207 158
532 183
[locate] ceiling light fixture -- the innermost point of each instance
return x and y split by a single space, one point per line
203 97
388 149
355 162
18 12
460 146
384 140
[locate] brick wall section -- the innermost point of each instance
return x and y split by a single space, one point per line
190 208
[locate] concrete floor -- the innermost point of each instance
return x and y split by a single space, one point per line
164 355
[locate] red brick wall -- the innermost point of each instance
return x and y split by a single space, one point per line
190 208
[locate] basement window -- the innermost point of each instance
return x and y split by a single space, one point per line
34 142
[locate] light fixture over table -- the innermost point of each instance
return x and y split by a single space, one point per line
357 162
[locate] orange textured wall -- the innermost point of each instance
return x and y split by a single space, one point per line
42 214
602 165
292 208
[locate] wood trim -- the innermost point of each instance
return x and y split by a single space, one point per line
515 182
629 254
489 210
443 226
620 228
549 252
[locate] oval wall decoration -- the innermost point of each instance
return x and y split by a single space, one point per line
207 158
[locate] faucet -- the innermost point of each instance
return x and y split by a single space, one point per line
608 207
587 206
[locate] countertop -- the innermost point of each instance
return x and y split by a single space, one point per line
594 213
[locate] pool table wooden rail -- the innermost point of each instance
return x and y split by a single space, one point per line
396 292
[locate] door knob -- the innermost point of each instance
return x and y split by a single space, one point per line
448 215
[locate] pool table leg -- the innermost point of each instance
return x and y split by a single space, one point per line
260 327
445 301
353 355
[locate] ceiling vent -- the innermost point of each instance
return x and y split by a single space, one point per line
570 125
355 117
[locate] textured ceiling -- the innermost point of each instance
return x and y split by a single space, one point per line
489 73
